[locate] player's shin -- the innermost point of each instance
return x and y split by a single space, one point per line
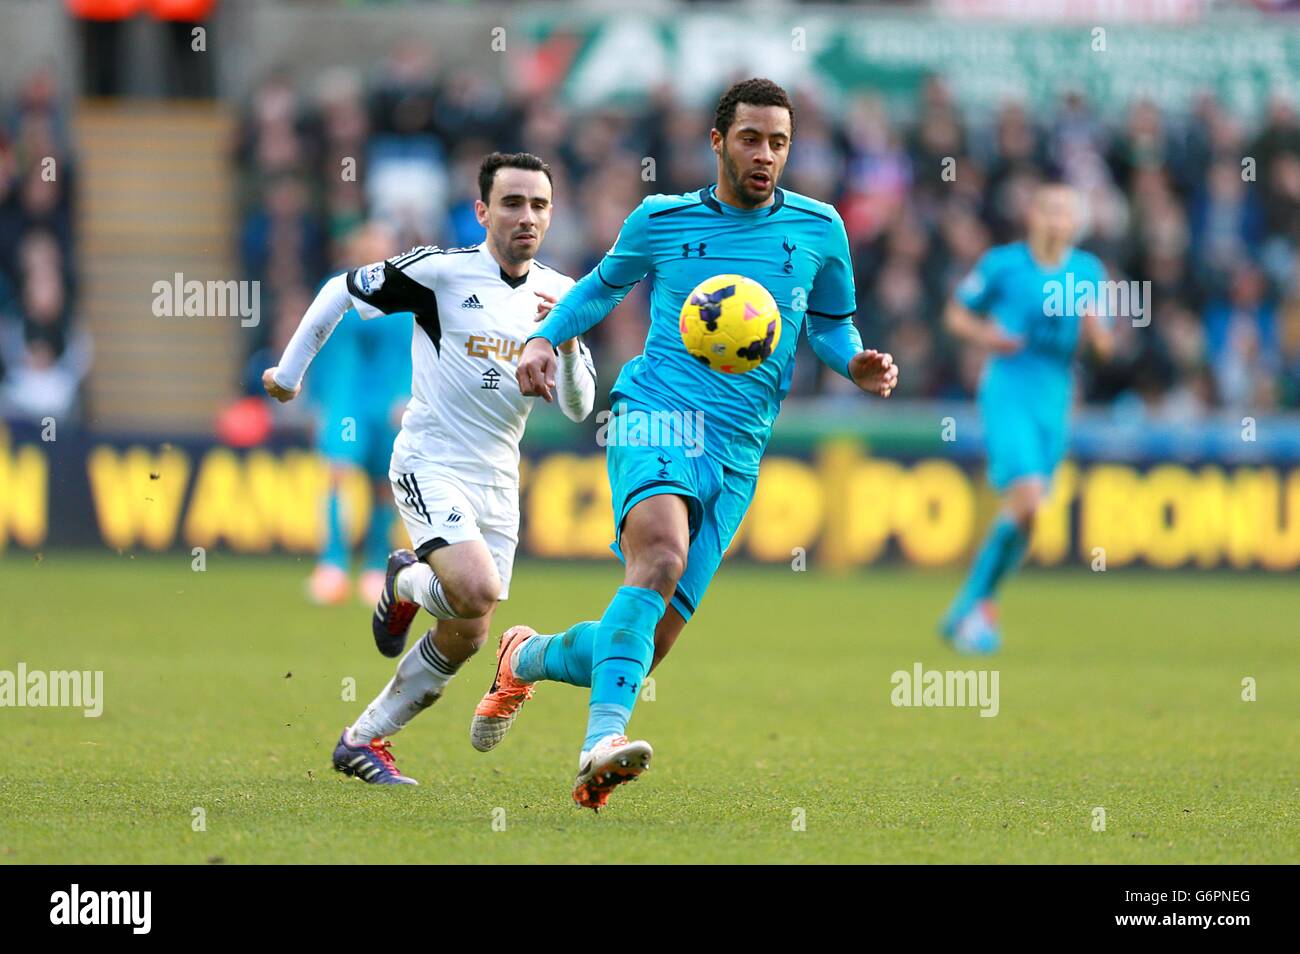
623 648
336 547
999 555
563 657
421 677
376 543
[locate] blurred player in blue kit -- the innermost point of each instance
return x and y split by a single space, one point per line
1028 304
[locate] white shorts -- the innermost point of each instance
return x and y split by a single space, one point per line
440 509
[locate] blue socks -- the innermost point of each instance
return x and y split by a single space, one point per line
1001 552
337 551
623 650
612 656
376 552
336 540
564 657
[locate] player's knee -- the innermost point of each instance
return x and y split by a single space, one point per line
1024 506
474 598
659 567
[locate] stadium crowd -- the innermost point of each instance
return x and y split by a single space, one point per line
1169 200
1202 206
43 354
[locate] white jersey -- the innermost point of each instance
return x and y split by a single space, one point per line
466 413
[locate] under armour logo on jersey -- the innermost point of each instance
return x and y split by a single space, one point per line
454 516
686 250
789 250
471 302
624 681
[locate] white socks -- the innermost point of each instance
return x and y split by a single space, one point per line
419 584
421 677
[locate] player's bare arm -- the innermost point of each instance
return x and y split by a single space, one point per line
963 323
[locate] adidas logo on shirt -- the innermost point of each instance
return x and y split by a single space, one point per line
471 302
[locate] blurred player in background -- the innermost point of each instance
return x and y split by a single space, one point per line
676 510
1022 303
359 391
455 464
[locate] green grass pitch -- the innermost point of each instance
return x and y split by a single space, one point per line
223 692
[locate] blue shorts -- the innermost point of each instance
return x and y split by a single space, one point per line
1022 441
370 449
716 501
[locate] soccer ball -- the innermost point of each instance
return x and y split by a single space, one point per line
730 323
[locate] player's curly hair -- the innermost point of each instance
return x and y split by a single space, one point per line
487 170
754 92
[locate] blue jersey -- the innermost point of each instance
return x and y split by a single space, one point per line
796 248
1044 306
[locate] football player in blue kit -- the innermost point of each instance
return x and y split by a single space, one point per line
676 509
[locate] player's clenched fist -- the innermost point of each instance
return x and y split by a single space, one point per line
281 394
874 372
536 369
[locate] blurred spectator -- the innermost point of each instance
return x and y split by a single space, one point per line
1227 222
43 354
1241 334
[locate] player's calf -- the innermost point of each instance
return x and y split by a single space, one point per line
419 682
1023 501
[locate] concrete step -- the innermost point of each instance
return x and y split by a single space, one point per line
158 198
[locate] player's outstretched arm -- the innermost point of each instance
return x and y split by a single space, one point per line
835 340
284 381
587 303
831 332
582 307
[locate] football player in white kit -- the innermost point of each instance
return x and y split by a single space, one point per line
455 463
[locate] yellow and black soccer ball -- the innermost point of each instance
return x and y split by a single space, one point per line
731 323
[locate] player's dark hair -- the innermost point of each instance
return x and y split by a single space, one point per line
487 170
753 92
